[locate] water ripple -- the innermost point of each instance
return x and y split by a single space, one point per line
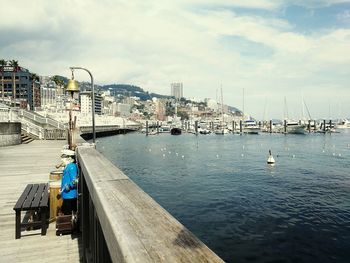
243 209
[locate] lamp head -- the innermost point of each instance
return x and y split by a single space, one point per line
72 85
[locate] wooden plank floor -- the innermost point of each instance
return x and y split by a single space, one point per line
19 166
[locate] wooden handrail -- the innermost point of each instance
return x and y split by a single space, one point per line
133 227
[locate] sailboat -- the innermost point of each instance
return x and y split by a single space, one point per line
222 129
249 126
292 126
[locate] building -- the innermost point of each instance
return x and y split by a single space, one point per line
212 104
159 109
123 109
26 93
86 103
177 90
48 92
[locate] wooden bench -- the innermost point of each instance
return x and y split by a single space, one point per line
34 198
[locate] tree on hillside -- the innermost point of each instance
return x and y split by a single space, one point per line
59 81
183 115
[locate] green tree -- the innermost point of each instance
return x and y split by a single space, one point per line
2 65
59 82
183 115
169 110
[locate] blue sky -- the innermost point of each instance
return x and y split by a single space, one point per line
270 48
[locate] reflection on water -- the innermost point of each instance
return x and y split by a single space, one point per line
223 190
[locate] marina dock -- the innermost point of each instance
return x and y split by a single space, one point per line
21 165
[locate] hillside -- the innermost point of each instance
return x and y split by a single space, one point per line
131 90
127 90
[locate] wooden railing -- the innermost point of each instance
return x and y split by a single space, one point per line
121 223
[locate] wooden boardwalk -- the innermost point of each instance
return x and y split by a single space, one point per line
19 166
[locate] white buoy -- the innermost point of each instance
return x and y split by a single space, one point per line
217 156
270 159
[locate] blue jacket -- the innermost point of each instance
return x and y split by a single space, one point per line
68 187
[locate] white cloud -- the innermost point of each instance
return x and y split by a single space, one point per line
154 43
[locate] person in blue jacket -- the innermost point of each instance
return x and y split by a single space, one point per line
69 183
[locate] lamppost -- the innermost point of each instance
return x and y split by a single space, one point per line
93 101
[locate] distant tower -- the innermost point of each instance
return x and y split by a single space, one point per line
177 90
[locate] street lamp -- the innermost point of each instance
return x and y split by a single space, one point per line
93 101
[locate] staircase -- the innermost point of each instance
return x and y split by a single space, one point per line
26 138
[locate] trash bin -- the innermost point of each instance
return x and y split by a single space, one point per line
55 203
55 175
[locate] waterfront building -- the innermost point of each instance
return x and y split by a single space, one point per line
212 104
177 90
86 103
48 92
160 110
123 109
20 87
108 104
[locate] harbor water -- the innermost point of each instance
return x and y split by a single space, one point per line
222 189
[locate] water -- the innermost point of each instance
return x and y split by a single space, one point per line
221 188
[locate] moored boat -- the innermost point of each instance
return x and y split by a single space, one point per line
175 131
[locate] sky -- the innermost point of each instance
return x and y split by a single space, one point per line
277 51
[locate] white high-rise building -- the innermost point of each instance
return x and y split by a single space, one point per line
177 90
85 103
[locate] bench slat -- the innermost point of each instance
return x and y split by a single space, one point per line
23 197
45 198
38 196
31 195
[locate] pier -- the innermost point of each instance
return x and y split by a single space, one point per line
119 221
21 165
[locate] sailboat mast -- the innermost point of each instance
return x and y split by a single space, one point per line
243 104
285 109
222 107
303 107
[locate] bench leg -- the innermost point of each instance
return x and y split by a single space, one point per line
43 222
18 224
